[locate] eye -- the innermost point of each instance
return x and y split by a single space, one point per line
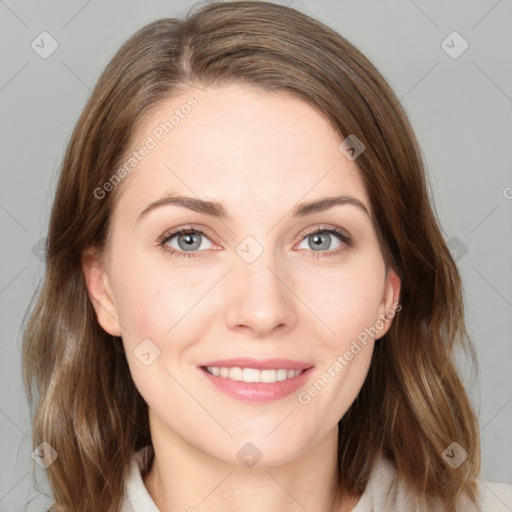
187 240
322 239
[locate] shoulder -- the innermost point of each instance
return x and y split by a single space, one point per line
494 497
385 492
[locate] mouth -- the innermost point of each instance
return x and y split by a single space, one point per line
252 374
251 380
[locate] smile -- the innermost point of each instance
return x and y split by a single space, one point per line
253 374
268 383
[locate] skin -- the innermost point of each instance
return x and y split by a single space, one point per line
286 303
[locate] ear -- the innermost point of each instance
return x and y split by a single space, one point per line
390 304
100 291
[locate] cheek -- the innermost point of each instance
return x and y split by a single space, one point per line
152 303
346 301
151 297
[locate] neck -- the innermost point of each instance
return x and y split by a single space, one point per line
185 478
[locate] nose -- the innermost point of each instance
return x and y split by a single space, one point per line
261 299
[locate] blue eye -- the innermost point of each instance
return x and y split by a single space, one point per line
319 239
190 238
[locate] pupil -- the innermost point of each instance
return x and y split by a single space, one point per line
187 240
319 242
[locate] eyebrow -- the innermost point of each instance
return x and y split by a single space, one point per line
217 210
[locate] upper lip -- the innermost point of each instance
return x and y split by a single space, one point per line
259 364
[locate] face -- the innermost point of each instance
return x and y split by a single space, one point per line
279 291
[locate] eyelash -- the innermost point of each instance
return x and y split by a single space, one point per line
162 241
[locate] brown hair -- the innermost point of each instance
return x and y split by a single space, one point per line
413 404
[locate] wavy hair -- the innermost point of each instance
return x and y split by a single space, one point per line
413 404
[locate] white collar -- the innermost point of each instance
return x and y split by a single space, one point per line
383 492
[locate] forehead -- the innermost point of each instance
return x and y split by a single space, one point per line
234 144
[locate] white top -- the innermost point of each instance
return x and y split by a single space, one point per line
383 492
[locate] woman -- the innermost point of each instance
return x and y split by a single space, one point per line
248 302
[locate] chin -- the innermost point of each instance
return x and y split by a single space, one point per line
275 452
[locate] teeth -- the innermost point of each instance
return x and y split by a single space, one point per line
284 374
252 374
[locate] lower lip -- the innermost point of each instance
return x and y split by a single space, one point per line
258 392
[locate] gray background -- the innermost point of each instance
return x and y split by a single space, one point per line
459 107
